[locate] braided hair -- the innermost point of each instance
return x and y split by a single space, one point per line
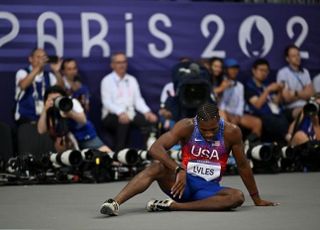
208 111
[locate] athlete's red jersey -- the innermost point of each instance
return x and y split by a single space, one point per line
206 159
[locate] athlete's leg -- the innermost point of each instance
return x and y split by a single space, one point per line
225 199
156 171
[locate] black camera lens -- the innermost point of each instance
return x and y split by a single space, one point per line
311 108
63 103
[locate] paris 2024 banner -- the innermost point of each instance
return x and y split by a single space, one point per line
153 34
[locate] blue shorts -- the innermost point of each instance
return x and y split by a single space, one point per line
197 189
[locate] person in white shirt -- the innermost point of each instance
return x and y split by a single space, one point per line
122 103
297 83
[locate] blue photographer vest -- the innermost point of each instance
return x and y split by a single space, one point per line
25 101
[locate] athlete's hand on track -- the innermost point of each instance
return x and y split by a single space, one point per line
261 202
178 187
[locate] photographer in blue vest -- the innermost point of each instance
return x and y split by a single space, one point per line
31 83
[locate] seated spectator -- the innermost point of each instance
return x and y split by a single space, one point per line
316 83
31 83
232 102
217 77
264 102
122 103
58 122
73 84
298 86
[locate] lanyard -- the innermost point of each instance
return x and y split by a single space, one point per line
296 75
123 87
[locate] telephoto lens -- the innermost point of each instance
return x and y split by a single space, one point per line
261 152
13 165
175 154
265 157
287 152
126 156
66 158
64 104
144 155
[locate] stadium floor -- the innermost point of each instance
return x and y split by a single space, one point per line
76 206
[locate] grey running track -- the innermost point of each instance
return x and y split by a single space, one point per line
76 206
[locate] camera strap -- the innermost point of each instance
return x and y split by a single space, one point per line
57 125
296 124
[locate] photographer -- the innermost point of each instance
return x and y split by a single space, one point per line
31 83
72 83
306 126
59 120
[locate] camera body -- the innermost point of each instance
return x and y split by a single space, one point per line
192 85
193 93
311 108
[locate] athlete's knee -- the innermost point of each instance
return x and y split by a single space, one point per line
155 169
237 198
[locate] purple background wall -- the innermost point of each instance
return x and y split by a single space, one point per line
172 29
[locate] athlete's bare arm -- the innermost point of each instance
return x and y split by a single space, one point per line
233 141
180 132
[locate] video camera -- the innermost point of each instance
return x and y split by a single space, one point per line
192 84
